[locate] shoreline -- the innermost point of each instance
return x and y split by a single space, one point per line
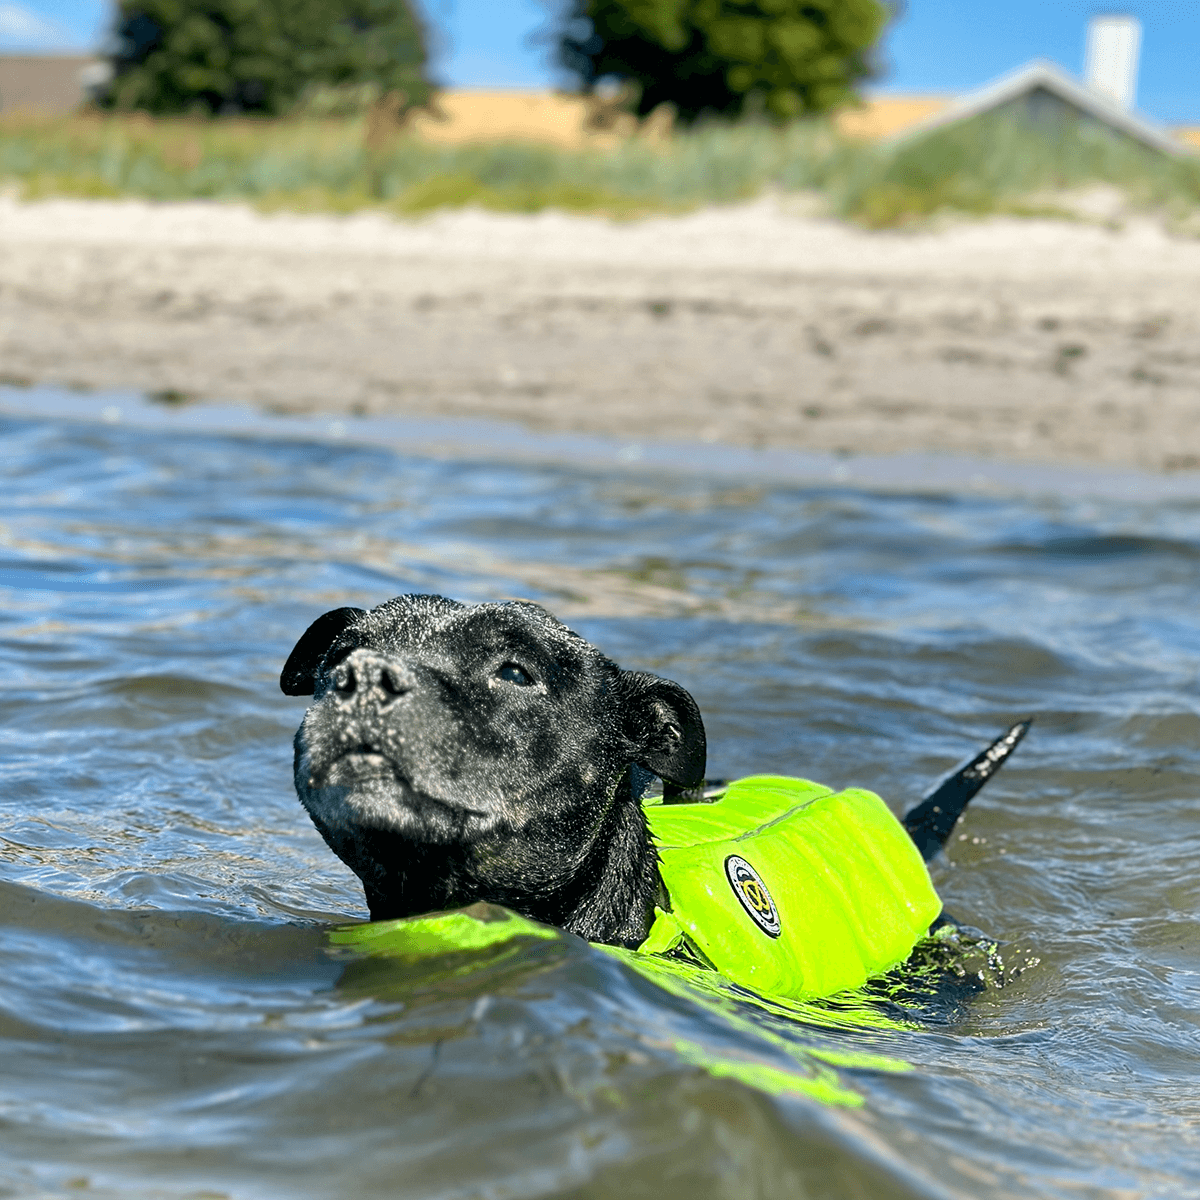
472 439
1019 341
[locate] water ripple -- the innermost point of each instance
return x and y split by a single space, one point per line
173 1023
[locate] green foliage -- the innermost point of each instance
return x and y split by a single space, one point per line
781 57
990 165
261 55
996 161
329 165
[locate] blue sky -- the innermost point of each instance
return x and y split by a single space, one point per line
936 46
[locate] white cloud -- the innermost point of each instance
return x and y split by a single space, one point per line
21 29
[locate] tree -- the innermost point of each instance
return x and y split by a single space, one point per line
784 57
259 55
347 42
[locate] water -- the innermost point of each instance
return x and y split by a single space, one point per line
173 1022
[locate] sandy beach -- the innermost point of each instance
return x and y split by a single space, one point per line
1048 341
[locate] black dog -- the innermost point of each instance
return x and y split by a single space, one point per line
463 752
460 752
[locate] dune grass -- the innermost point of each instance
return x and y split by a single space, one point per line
331 165
996 163
992 164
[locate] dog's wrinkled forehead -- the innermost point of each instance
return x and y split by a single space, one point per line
433 627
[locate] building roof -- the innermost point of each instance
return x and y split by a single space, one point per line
1043 76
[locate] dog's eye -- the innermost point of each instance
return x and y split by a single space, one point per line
511 673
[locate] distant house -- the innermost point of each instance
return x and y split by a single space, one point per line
48 83
1043 93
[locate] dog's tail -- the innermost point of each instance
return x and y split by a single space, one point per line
931 822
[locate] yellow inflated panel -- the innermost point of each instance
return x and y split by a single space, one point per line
790 888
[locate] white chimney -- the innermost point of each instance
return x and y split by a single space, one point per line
1111 64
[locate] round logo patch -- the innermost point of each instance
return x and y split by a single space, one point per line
753 894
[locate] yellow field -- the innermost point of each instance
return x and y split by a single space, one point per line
885 115
553 118
574 122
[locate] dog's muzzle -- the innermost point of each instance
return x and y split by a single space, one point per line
367 679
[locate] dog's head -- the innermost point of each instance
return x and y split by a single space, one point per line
458 752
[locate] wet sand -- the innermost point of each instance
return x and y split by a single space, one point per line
1039 341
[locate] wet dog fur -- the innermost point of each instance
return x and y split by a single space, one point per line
462 752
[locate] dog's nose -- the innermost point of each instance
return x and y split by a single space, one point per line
371 678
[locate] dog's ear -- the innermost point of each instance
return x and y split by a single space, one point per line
663 722
299 675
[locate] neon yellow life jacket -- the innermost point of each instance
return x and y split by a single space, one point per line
789 888
783 886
